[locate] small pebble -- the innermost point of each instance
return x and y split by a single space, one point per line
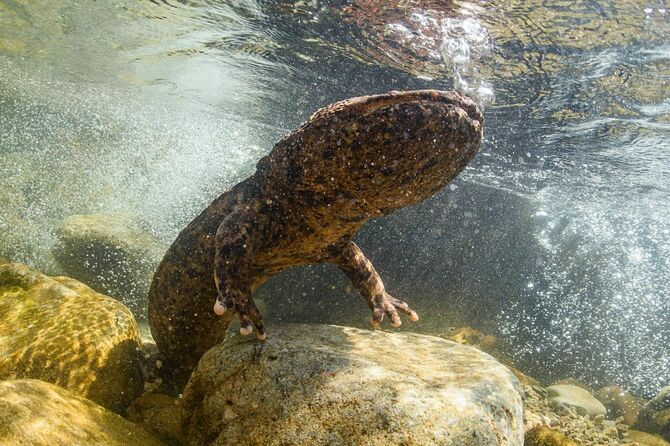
229 414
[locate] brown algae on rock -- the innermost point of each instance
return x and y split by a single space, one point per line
546 436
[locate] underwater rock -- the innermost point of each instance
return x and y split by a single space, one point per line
655 415
561 395
524 379
580 429
473 338
546 436
573 382
646 439
59 330
324 385
159 414
620 403
113 253
38 413
486 343
151 363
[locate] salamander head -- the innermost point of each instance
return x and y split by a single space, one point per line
371 155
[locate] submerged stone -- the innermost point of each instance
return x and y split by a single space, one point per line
331 385
37 413
567 395
646 439
113 253
546 436
473 337
655 415
159 414
59 330
620 403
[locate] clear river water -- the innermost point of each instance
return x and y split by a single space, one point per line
556 238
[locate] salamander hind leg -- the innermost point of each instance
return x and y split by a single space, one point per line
351 260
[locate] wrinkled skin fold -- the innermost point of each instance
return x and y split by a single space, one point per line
351 161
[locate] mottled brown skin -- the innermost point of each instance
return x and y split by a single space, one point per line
353 160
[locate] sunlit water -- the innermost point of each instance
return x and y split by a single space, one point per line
556 239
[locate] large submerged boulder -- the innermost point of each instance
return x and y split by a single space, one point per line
37 413
330 385
61 331
113 253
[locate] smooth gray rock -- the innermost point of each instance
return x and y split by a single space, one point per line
330 385
566 395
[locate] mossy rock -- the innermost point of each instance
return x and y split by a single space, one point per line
472 337
61 331
655 415
546 436
38 413
620 403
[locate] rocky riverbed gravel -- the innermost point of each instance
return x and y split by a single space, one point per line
582 429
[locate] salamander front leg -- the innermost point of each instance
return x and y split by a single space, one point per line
235 240
362 274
